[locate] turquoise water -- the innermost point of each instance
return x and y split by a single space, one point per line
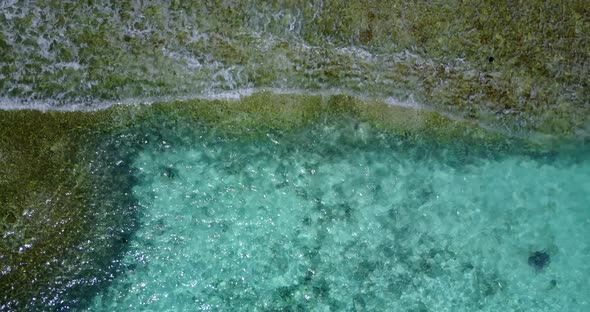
337 216
346 218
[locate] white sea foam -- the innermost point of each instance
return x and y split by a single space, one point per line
8 103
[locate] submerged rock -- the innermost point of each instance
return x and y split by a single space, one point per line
539 260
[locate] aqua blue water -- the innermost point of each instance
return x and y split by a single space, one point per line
340 219
329 218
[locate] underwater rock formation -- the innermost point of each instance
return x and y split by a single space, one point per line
539 260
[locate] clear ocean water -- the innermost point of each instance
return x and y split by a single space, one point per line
342 218
332 216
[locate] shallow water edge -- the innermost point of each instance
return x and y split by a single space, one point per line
68 210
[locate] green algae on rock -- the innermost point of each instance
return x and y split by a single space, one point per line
59 227
436 53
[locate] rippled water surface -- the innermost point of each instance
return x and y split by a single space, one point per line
339 218
273 175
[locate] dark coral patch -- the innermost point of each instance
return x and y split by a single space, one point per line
539 260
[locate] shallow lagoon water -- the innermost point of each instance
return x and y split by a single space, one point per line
331 216
341 218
